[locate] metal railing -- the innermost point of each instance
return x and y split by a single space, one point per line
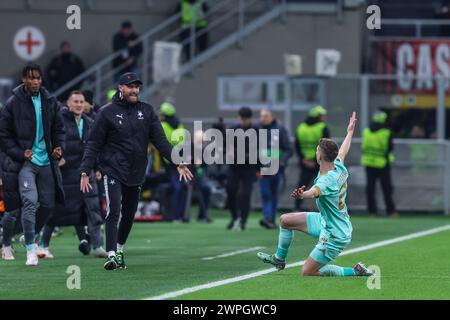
413 29
99 77
420 175
419 185
230 21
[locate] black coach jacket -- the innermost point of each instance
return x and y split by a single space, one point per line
120 137
79 208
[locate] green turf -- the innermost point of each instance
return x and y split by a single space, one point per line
164 257
414 269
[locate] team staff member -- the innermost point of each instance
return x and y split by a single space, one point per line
119 139
307 138
33 138
80 209
270 184
241 177
377 156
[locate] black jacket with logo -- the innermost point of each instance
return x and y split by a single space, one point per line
120 137
18 132
79 207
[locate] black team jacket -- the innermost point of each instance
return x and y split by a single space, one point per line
120 137
17 133
79 208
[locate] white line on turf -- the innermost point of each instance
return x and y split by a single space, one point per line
209 285
234 253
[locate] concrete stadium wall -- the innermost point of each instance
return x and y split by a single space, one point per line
98 24
262 53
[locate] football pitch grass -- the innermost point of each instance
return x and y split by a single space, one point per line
168 257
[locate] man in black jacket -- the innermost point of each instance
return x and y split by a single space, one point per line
32 136
63 68
126 41
80 209
278 149
119 139
241 176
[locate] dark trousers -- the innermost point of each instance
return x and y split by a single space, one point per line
307 176
201 185
179 195
270 187
121 202
37 192
239 192
373 174
95 235
12 225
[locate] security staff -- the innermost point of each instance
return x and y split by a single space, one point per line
174 128
118 141
193 13
377 156
307 138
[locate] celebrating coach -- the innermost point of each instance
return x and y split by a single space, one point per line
119 138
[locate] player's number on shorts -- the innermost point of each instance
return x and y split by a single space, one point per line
341 203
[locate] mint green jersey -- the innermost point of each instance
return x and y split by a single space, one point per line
331 202
40 155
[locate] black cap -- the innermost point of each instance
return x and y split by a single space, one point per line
128 78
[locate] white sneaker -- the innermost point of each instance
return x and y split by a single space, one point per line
100 253
7 253
32 259
46 252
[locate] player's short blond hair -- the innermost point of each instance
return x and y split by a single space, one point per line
328 149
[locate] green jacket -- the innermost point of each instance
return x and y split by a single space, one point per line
375 148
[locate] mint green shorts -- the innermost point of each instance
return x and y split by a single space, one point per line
328 248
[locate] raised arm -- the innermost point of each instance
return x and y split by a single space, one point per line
345 147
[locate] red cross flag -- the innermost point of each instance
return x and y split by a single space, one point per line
29 43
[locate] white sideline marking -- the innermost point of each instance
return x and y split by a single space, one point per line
234 253
209 285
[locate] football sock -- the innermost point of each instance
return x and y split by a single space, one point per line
111 254
30 247
330 270
284 242
120 247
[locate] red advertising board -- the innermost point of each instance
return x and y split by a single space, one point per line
412 58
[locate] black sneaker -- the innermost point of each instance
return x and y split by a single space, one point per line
120 260
362 271
267 224
204 220
230 225
84 247
111 263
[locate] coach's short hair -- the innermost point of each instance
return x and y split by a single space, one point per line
329 149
